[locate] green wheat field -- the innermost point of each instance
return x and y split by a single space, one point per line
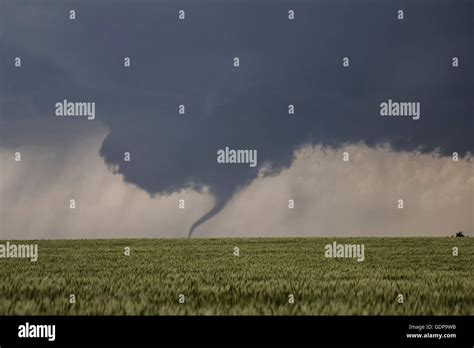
258 282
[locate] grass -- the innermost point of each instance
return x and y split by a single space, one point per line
215 282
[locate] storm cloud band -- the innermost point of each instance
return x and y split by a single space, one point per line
282 62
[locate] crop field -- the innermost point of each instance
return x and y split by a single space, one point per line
206 277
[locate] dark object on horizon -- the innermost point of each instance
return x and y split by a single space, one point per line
460 234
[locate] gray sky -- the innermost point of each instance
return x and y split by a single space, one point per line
190 62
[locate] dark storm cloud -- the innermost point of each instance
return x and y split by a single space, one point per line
282 62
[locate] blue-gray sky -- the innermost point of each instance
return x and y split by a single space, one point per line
190 62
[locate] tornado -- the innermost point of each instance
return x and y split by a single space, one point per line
221 198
